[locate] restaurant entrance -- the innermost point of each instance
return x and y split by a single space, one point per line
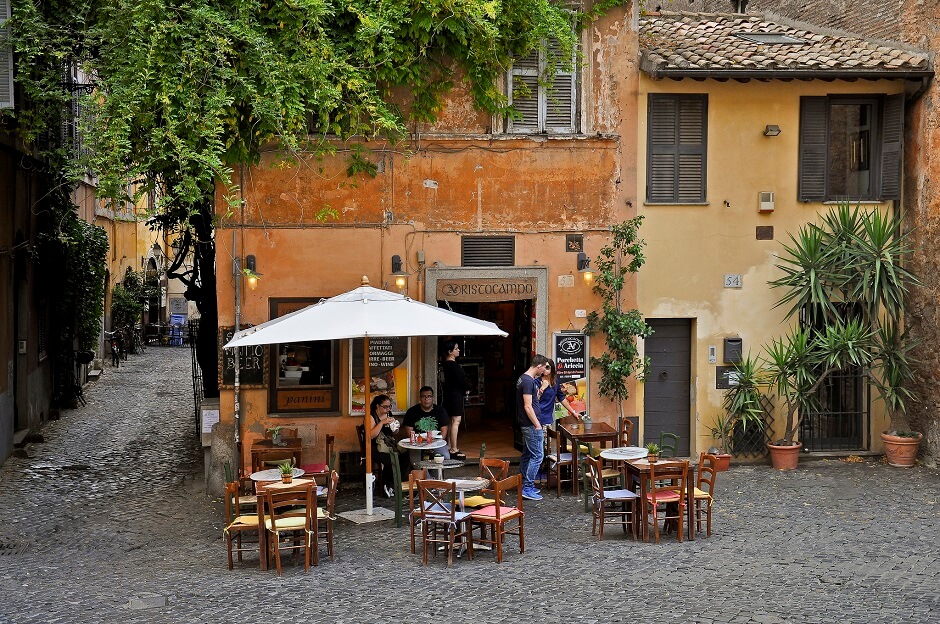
493 364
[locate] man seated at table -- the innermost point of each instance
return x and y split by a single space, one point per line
427 407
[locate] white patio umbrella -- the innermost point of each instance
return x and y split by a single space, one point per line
365 312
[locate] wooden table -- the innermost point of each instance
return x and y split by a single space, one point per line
259 447
575 432
638 472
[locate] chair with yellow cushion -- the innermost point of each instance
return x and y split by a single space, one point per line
286 528
705 492
492 470
237 523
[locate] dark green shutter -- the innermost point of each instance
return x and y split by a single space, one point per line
892 146
813 141
6 57
676 132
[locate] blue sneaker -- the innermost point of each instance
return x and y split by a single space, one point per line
531 495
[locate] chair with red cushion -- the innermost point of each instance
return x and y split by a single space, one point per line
325 468
500 515
666 495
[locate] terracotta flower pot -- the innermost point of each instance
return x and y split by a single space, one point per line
652 458
722 462
901 452
784 457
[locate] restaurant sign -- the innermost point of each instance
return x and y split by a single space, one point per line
252 362
484 289
571 365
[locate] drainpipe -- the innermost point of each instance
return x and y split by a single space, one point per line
236 275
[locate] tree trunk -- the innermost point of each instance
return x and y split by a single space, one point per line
207 348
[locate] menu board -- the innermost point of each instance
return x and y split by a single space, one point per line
389 369
252 361
571 363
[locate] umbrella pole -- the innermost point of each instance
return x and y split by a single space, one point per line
367 420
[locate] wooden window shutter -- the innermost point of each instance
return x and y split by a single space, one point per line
676 148
892 146
524 93
560 97
814 113
6 57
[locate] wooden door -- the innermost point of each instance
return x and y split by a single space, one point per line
666 404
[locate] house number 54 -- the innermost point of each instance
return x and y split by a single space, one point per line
732 280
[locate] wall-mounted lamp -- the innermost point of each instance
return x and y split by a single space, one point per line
251 272
584 266
401 277
771 130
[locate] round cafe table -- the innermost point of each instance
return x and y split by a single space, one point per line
273 474
624 453
430 464
422 444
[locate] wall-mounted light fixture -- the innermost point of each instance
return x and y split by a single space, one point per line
401 277
771 130
251 272
584 266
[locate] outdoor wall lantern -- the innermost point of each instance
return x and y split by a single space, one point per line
401 277
771 130
584 267
251 272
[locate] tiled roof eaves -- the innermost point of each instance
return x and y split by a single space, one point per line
782 74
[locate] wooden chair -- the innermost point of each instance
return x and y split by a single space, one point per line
705 492
414 511
330 459
558 462
497 516
668 443
666 495
377 466
237 523
610 506
625 431
325 518
441 523
492 470
275 457
286 528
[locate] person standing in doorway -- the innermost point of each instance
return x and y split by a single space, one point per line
455 388
530 420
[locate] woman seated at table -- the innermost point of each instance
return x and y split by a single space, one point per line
383 434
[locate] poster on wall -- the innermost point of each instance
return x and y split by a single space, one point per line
571 361
389 369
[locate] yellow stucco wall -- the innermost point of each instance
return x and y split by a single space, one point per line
691 248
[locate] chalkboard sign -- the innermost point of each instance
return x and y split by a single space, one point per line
252 362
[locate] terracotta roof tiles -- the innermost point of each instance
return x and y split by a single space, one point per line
682 44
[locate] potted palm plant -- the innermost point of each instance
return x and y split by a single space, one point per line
743 407
846 281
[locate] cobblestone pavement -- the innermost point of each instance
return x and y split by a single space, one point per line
106 521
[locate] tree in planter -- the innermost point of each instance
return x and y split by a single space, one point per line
846 280
623 256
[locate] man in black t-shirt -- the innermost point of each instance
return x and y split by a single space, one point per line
427 407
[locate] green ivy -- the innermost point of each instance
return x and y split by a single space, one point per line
130 297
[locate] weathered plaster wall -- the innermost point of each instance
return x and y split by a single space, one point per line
692 247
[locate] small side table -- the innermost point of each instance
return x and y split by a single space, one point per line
430 464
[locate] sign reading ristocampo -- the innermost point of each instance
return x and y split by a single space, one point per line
487 289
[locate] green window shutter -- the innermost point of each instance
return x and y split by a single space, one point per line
560 98
6 57
892 146
814 112
676 148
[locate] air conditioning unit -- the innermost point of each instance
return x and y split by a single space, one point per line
765 201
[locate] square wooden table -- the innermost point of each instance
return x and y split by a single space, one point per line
638 473
575 432
259 447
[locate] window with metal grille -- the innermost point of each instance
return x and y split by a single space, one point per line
676 148
480 251
543 104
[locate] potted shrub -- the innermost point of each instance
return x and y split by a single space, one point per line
426 424
287 472
743 405
652 454
275 435
890 377
846 282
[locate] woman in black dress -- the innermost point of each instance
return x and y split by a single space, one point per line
452 396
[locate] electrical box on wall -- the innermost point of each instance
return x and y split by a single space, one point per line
734 348
765 201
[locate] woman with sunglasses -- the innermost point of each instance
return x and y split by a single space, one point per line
385 424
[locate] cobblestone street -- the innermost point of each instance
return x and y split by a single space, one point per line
107 520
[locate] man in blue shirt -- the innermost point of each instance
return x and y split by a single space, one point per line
529 417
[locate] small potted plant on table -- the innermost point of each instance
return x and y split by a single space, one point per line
652 450
426 425
276 436
287 472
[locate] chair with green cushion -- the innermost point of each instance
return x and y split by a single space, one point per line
668 443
